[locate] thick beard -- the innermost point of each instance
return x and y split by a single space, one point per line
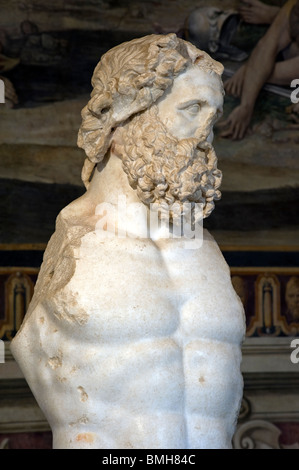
167 172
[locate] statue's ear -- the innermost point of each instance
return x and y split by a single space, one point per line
118 135
87 172
117 140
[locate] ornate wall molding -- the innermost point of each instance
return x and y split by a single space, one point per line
259 434
267 294
16 290
4 443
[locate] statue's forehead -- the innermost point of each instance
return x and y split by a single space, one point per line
196 83
197 75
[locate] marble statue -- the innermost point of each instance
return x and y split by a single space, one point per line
132 338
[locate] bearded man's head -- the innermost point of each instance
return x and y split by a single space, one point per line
128 82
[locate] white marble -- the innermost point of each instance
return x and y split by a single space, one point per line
134 341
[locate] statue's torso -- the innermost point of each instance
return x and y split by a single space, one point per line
142 337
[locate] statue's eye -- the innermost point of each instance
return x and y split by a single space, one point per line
193 109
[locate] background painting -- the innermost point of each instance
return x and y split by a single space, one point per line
48 53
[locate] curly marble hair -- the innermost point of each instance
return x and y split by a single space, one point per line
128 79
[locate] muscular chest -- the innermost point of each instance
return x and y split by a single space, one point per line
209 306
132 290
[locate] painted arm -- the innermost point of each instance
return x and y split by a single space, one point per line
285 71
259 69
256 12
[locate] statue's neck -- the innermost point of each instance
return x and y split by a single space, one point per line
112 196
110 182
115 206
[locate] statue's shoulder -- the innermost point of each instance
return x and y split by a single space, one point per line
212 254
79 238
